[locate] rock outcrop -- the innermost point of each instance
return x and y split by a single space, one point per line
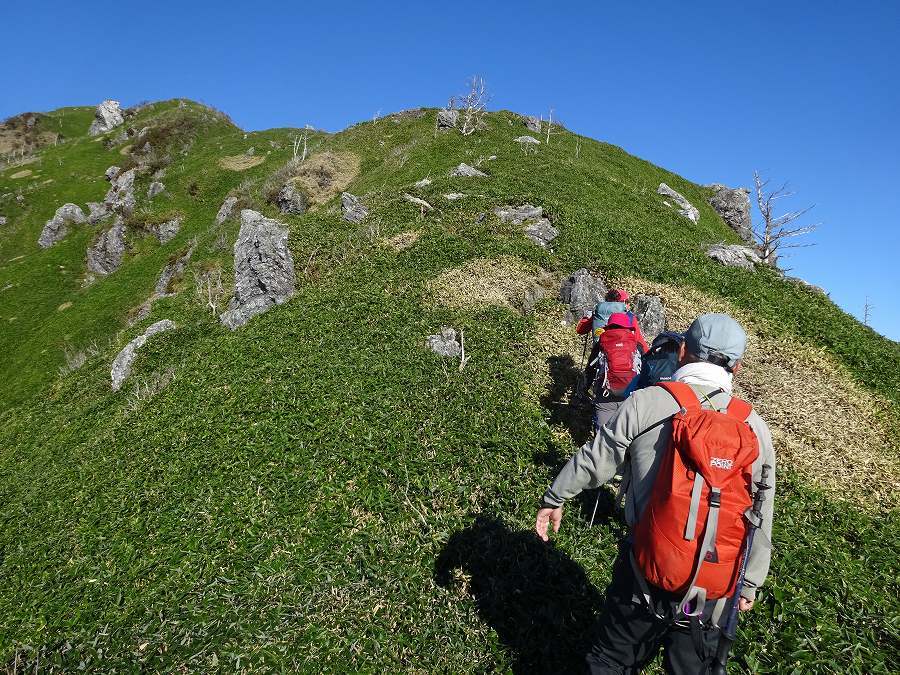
467 171
734 255
651 315
527 140
154 189
290 200
121 365
533 123
352 209
225 210
57 227
2 220
119 198
447 119
444 343
172 270
167 230
263 269
581 291
106 118
105 255
684 207
537 227
733 205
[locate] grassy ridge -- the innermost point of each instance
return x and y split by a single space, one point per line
317 491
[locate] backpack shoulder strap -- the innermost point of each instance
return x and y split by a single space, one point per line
739 409
682 393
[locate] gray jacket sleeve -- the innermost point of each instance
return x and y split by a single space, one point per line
596 463
761 553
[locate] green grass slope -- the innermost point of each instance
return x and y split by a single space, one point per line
317 491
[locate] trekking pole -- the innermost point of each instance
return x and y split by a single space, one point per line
729 630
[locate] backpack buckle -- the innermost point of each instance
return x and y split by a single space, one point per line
715 499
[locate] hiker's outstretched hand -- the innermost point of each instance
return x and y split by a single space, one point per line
745 605
544 518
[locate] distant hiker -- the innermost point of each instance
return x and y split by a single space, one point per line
695 453
614 365
660 363
615 301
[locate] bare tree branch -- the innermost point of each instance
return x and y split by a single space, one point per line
773 231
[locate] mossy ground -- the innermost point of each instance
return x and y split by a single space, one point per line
317 491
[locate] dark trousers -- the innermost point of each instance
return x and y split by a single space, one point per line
629 634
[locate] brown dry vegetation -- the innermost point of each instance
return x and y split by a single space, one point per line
825 426
506 281
241 162
403 240
325 174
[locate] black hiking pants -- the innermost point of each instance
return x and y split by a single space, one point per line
629 634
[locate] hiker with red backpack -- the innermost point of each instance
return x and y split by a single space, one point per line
614 364
699 508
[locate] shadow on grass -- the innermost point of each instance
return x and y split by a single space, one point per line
574 415
537 599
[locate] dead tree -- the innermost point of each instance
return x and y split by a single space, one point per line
867 311
775 232
472 105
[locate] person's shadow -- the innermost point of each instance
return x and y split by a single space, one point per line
538 600
559 399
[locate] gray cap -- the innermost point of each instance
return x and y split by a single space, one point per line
716 334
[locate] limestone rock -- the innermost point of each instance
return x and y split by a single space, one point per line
2 220
651 315
57 227
106 118
542 232
290 200
173 269
111 173
533 123
453 196
97 211
352 208
444 343
527 140
120 196
121 365
263 269
425 182
519 214
166 231
447 119
733 205
105 255
155 188
734 255
467 171
225 210
421 203
685 208
581 291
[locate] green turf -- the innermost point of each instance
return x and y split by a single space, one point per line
318 492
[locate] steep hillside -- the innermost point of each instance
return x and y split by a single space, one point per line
317 490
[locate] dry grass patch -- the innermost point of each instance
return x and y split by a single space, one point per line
241 162
325 174
403 240
125 149
21 174
825 426
506 281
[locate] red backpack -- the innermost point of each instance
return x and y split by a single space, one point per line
690 536
619 364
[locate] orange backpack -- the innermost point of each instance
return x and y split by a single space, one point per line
691 534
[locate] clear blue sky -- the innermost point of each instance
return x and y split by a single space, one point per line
804 91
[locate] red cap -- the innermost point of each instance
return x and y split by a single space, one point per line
620 319
621 295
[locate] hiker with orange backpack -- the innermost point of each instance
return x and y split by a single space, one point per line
702 485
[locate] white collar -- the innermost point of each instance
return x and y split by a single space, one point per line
705 374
